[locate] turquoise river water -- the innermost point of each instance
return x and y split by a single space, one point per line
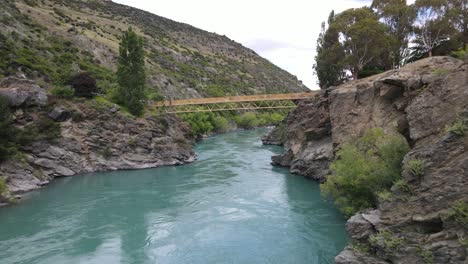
230 206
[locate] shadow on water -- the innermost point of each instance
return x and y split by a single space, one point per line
230 206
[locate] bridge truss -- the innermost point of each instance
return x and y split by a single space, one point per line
232 103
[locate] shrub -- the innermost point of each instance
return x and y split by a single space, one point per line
200 122
63 92
460 213
387 239
3 187
461 54
364 169
247 120
458 128
84 85
385 195
415 167
220 124
7 131
402 186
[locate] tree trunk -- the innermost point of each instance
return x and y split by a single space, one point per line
430 53
355 75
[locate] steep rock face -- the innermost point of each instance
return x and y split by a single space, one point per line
96 138
419 101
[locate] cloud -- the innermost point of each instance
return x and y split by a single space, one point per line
284 32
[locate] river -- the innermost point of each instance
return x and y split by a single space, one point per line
230 206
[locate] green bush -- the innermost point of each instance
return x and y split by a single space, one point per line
220 123
415 167
460 213
200 122
247 120
364 169
387 239
63 92
8 145
458 128
461 54
3 187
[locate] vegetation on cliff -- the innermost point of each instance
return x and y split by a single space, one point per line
365 169
387 35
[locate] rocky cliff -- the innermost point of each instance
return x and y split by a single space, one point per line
426 220
83 135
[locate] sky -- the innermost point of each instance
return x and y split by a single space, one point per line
283 31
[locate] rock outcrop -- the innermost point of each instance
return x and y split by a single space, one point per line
419 224
93 137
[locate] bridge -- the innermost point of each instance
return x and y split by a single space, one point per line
229 103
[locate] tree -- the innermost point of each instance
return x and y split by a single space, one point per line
399 18
328 66
84 85
131 75
362 37
432 26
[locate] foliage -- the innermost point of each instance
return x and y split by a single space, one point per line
425 254
402 186
63 92
8 145
389 34
247 120
458 128
460 213
328 61
364 169
389 240
461 53
200 122
415 167
3 187
398 17
84 85
131 75
220 123
385 195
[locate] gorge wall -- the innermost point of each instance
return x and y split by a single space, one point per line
85 136
418 224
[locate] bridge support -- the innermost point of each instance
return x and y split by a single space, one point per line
215 107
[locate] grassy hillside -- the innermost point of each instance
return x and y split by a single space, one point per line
50 40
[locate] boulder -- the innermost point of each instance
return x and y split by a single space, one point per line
21 92
60 114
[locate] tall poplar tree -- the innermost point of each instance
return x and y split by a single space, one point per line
131 75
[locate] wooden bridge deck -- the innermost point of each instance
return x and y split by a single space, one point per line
236 99
231 103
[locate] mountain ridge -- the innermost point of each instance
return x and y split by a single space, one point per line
182 61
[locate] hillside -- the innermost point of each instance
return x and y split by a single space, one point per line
48 40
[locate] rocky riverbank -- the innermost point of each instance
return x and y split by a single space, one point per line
91 136
420 223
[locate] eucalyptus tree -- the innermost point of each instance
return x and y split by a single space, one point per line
362 37
399 18
432 25
328 60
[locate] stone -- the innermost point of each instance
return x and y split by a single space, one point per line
60 114
358 227
21 92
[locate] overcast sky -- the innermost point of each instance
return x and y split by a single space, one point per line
283 31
